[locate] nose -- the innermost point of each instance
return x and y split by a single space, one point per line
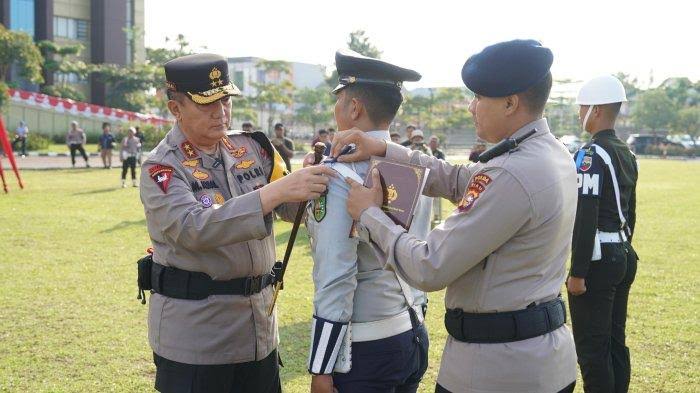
472 106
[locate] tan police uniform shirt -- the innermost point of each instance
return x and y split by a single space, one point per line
205 215
503 248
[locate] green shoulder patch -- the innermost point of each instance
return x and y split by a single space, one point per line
320 208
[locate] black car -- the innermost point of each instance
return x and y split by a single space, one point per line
639 143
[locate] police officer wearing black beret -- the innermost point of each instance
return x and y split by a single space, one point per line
502 253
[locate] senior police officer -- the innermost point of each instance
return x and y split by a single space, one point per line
208 195
367 328
502 253
603 262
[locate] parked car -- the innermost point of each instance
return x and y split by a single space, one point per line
572 142
685 140
639 143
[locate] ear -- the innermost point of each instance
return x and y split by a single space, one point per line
174 108
356 109
511 103
597 111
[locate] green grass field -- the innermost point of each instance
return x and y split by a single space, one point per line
70 321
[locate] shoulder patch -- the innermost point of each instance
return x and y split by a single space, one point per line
320 208
476 186
161 174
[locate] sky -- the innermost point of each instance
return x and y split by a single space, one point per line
649 40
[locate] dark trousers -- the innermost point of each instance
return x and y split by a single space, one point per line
391 365
73 149
251 377
23 142
568 389
130 162
598 319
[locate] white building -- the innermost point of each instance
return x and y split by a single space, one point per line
244 72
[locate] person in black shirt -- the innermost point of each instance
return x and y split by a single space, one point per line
603 262
409 134
434 144
284 145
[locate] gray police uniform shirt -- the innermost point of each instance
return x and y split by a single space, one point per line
205 215
504 248
350 282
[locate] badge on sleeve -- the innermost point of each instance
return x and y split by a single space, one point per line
586 163
320 208
161 174
476 187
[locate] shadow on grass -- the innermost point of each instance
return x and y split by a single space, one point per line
100 191
124 225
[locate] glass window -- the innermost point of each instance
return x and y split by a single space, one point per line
238 79
82 30
72 29
22 16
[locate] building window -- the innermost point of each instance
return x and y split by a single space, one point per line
73 29
61 78
22 16
238 80
129 31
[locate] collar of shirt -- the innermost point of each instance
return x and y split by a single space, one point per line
540 125
380 134
604 134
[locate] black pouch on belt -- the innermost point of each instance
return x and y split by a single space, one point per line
144 276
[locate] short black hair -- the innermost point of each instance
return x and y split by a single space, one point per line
612 109
535 98
331 129
247 124
381 102
105 124
175 95
279 126
322 132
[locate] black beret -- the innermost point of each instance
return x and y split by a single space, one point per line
507 68
353 68
203 77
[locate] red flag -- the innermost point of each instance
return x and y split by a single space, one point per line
7 147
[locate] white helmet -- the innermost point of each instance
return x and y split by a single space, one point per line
602 90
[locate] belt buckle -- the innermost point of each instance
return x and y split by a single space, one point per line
252 285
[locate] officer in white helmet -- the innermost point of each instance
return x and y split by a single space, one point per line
603 262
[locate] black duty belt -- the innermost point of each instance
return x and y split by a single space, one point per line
182 284
503 327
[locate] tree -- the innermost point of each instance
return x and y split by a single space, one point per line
653 109
688 122
359 42
275 90
313 106
19 49
57 58
242 109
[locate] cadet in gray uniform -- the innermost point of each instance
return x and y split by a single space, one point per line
367 328
502 253
208 195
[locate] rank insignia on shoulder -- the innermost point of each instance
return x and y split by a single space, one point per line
161 174
188 150
245 164
200 175
320 208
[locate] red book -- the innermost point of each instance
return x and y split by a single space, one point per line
402 184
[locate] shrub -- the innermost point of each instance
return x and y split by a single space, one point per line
36 141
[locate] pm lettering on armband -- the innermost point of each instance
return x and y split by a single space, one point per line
588 184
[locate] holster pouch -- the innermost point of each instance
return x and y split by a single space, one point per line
144 266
